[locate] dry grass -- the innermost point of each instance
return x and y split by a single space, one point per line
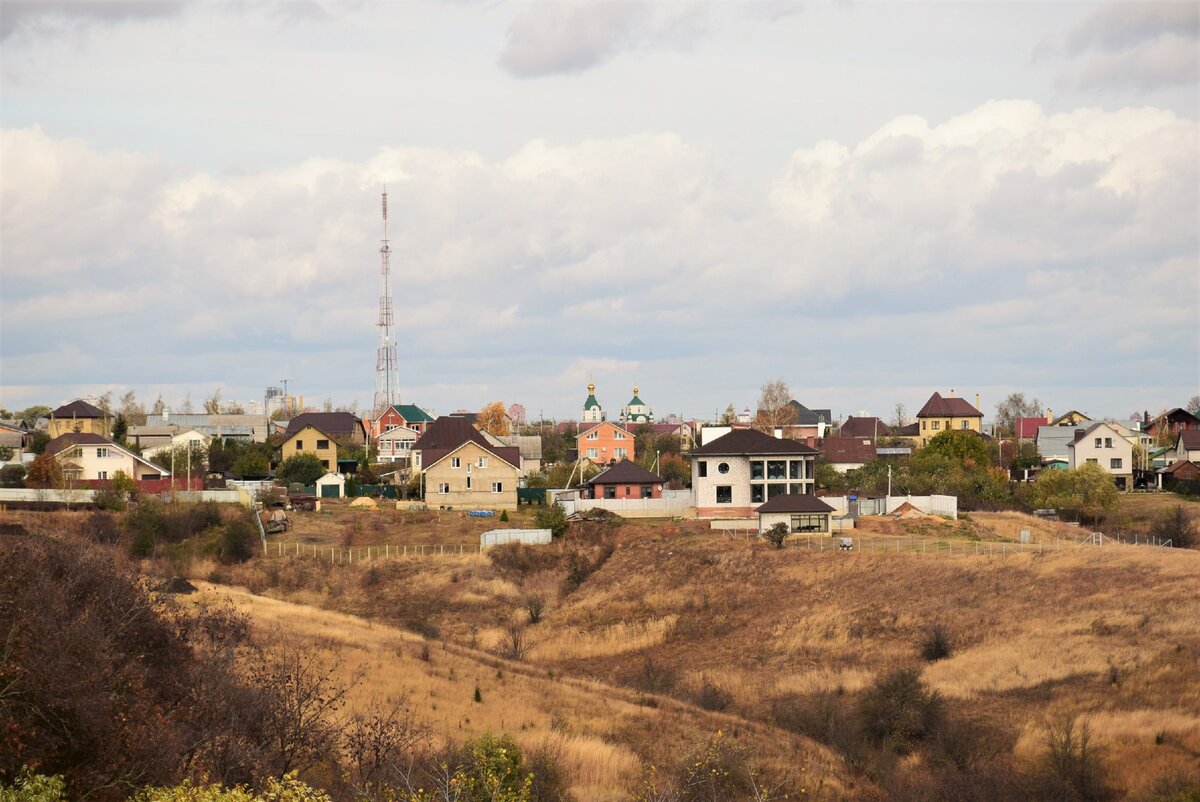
620 638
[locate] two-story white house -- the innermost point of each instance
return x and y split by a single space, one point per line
85 456
395 445
736 473
1104 445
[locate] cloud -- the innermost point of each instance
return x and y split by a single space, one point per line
1139 45
47 15
549 37
1015 245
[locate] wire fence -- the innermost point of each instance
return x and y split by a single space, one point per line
350 555
977 548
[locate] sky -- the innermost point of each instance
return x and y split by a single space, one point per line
870 201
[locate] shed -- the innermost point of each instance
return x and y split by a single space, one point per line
331 485
801 512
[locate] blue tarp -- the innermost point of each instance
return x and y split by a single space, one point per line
481 513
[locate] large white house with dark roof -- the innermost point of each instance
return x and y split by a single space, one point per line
1103 445
736 473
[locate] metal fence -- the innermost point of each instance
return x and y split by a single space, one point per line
976 548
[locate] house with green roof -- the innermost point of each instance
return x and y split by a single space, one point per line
397 416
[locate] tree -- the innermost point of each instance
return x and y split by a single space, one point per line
182 459
160 406
776 535
212 406
1013 407
774 407
494 420
1086 492
186 409
1176 526
37 443
134 412
552 517
44 472
899 413
1193 405
730 415
961 445
6 453
304 469
104 404
251 464
328 405
120 429
30 415
233 408
12 476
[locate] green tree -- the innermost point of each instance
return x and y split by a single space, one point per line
552 517
962 445
829 479
183 458
6 453
305 469
120 429
729 416
30 415
1086 492
251 465
12 476
776 535
37 442
31 787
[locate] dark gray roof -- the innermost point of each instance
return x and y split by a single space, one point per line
334 424
749 442
626 472
810 417
795 502
78 409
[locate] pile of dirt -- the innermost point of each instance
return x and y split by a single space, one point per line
907 510
363 501
177 585
596 515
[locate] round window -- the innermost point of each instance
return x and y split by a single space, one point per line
723 467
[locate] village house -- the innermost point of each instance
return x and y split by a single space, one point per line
401 416
871 427
605 443
847 453
1169 424
626 479
1187 446
735 473
395 445
78 416
1103 445
461 469
311 440
799 512
942 414
88 457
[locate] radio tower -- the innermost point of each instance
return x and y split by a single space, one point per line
386 373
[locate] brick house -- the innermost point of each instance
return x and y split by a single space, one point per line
626 479
606 443
397 416
947 413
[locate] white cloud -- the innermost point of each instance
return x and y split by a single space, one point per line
1044 241
549 37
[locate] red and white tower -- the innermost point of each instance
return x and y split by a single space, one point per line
387 378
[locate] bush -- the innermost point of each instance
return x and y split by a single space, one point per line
12 476
520 559
504 516
1176 526
776 534
108 499
305 469
535 605
936 645
552 517
712 696
1072 766
898 710
238 541
102 528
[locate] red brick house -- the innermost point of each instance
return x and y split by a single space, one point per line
408 416
625 480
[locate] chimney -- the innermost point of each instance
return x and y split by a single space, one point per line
978 403
951 393
1049 416
1080 433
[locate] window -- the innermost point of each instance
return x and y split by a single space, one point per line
796 469
299 445
647 491
455 462
964 424
757 494
77 453
593 435
1108 442
937 424
1115 463
620 453
497 487
322 445
468 482
593 453
102 452
756 470
325 464
102 474
810 523
618 435
482 463
777 469
724 494
723 467
444 488
1097 445
924 424
702 468
610 491
1092 462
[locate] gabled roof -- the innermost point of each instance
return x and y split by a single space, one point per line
864 427
1190 439
334 424
1080 435
908 430
750 442
1027 428
1176 465
1063 419
77 409
848 450
73 439
954 407
1179 414
625 472
410 412
449 433
809 417
582 432
795 502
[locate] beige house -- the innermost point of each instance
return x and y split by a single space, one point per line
311 440
78 417
87 457
472 476
949 413
1102 444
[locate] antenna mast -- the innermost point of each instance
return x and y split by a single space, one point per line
387 377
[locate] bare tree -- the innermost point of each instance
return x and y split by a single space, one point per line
212 405
899 412
515 644
187 408
774 407
381 747
160 406
1012 408
134 412
1193 405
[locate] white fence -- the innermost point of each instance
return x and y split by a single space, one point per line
20 494
234 496
497 537
673 504
930 505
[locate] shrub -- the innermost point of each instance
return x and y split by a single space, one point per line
711 696
552 517
303 468
776 534
106 498
936 645
519 559
101 527
515 645
12 476
237 541
535 605
898 710
504 516
31 787
1072 766
1176 526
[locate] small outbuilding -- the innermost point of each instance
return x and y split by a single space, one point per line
626 479
801 512
331 485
